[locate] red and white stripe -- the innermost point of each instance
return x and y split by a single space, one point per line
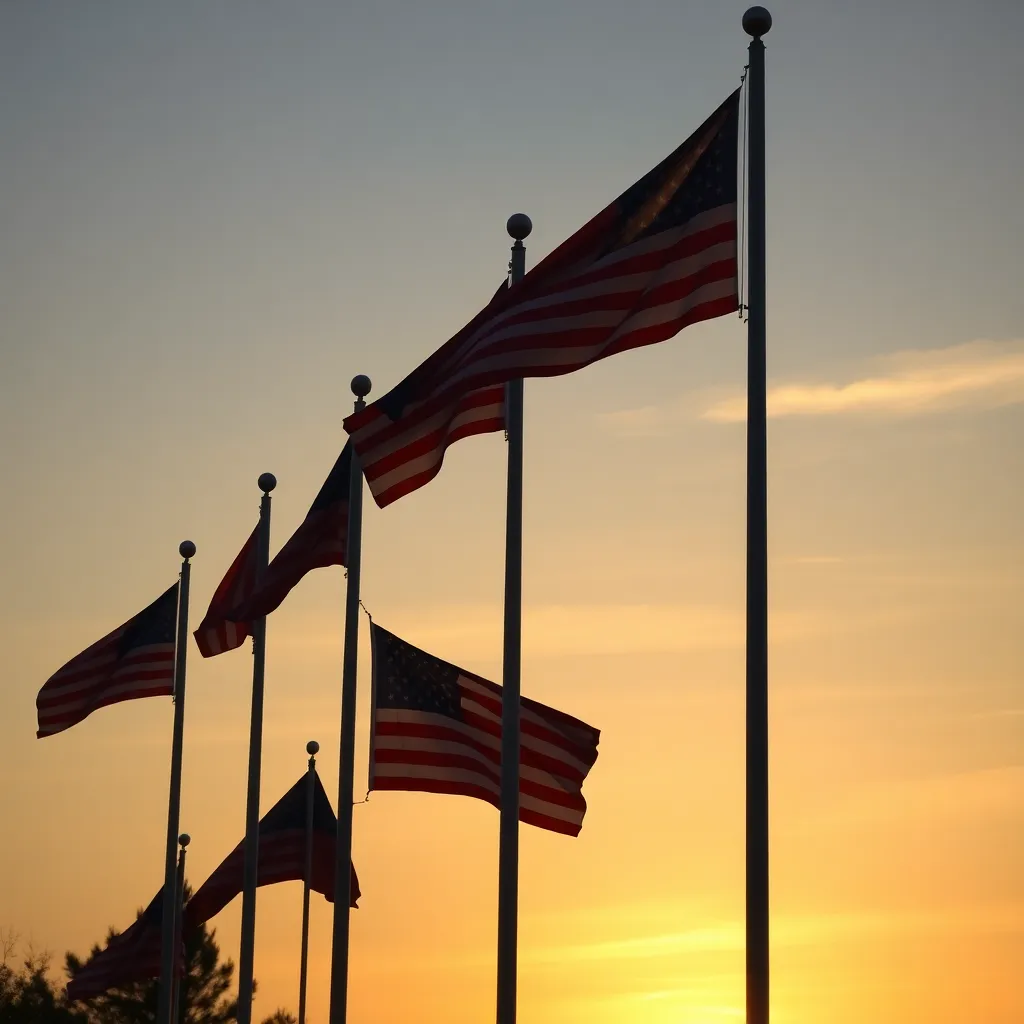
217 633
134 955
282 858
430 752
639 295
97 678
131 956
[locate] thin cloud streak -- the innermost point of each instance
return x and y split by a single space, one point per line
979 374
791 931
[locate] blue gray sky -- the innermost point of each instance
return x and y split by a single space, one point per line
213 215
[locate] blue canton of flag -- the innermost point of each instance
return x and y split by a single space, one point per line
437 729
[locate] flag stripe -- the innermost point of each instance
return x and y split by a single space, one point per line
133 955
135 660
659 258
482 735
437 729
280 857
408 759
530 815
217 632
320 541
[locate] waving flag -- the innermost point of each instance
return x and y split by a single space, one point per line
437 729
282 855
660 257
217 632
134 955
319 541
135 660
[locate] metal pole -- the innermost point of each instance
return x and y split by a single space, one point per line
267 482
177 990
346 769
519 227
187 550
312 747
756 23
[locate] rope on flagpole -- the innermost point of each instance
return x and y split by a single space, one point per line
742 255
366 799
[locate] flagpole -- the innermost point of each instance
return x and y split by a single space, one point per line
519 227
346 773
267 482
312 747
179 897
756 23
187 550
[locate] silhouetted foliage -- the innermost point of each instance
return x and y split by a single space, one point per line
29 995
203 994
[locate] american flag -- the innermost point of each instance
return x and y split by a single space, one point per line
320 540
217 633
136 660
437 729
660 257
281 856
134 955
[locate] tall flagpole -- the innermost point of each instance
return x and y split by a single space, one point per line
756 23
179 899
519 227
312 747
267 482
187 550
346 769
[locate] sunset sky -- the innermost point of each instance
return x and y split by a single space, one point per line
213 215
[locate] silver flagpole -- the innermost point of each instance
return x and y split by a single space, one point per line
756 23
179 896
312 747
187 550
519 227
267 482
346 773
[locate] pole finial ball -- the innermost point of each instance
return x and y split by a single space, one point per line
267 482
361 385
519 226
184 839
186 549
756 22
312 747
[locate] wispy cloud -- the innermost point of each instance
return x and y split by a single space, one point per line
805 930
979 374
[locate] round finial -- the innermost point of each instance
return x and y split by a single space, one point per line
186 549
361 385
267 482
312 747
519 226
756 22
184 839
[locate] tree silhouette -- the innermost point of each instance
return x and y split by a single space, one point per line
203 992
29 995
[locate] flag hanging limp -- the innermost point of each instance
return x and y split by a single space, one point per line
660 257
